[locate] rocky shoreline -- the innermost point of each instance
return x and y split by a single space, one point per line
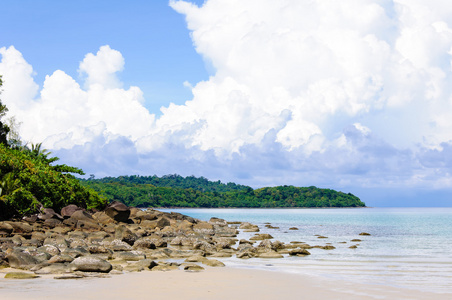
76 243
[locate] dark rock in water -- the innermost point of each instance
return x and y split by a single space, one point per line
353 247
118 211
262 236
21 260
328 247
293 228
299 252
91 264
67 211
364 233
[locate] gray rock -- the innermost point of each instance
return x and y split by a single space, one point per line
21 260
91 264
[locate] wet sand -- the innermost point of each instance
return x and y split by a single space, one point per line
213 283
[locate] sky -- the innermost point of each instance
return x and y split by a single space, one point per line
353 95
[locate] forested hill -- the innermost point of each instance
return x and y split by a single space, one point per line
176 181
178 191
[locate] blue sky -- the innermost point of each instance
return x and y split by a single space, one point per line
349 95
153 37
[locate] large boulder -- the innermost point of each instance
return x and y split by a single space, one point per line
118 211
125 234
49 213
21 260
67 211
5 229
91 264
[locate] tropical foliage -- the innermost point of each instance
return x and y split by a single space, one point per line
29 181
177 191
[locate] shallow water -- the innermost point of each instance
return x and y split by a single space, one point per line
408 247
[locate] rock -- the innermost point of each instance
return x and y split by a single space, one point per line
248 227
91 264
271 254
118 245
59 259
69 276
328 247
103 218
21 260
144 243
353 247
52 223
20 227
243 241
193 268
364 233
164 268
293 228
262 236
58 268
67 211
49 213
299 252
195 258
20 275
213 263
218 221
356 240
322 237
118 211
147 263
204 228
5 229
125 234
129 255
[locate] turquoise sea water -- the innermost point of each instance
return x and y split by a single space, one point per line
408 247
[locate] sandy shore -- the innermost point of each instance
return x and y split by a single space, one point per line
213 283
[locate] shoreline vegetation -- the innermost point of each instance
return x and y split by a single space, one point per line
175 191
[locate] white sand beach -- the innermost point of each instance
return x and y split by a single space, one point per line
213 283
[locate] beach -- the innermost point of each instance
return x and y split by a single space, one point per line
213 283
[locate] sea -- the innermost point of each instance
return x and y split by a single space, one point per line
407 247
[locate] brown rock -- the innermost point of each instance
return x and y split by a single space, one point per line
67 211
118 211
299 252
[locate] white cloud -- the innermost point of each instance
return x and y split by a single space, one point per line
65 114
304 92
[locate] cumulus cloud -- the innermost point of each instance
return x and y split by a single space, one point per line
333 93
65 114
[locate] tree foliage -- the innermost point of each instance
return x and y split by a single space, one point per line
29 181
4 129
177 191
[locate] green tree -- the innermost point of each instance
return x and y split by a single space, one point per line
4 128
